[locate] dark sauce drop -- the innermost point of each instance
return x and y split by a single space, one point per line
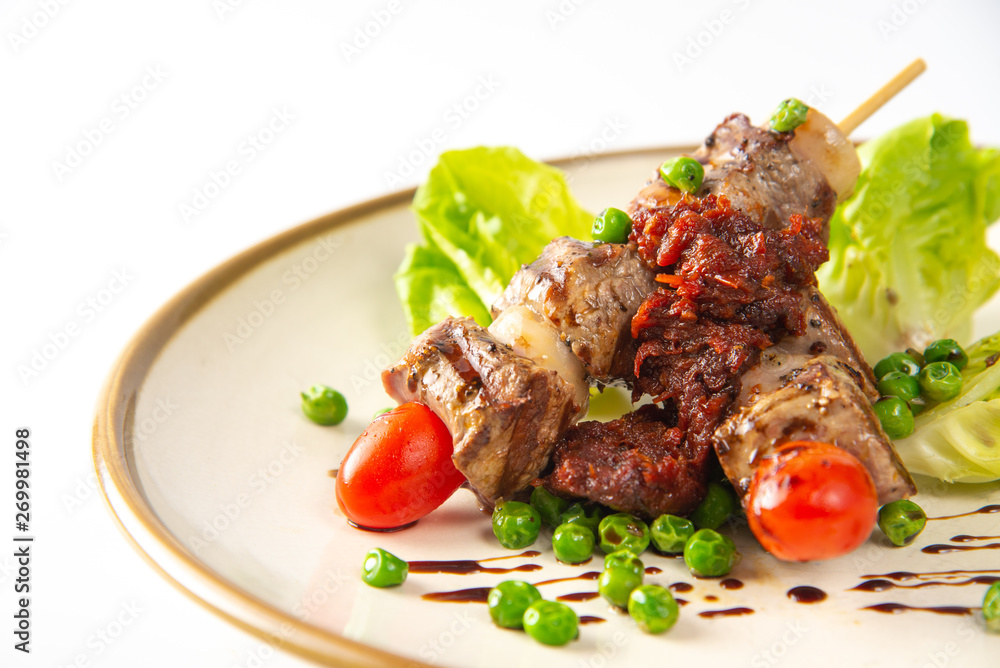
968 539
731 612
680 587
879 584
896 608
590 575
473 595
590 619
945 548
527 553
985 510
381 530
930 575
579 596
806 594
681 601
653 570
465 567
731 583
711 598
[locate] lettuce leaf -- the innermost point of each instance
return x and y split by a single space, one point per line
482 213
959 440
908 255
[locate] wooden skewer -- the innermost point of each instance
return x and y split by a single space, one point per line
882 95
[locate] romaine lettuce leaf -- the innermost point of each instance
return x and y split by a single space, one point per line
483 212
431 288
959 440
908 255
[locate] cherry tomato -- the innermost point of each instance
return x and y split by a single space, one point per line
398 470
811 501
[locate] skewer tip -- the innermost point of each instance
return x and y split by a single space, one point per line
882 95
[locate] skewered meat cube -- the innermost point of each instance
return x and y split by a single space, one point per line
504 411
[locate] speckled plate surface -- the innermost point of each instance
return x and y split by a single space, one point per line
218 480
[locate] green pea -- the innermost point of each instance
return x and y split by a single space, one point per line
612 226
709 554
946 350
551 622
549 506
991 608
895 416
516 524
897 362
718 504
383 569
573 543
940 381
509 600
899 384
324 405
670 533
653 608
588 517
616 584
683 173
790 114
625 559
622 531
901 521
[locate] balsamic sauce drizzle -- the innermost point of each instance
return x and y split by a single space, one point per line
944 548
800 594
952 578
467 566
731 612
896 608
985 510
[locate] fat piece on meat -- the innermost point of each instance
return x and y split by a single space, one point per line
504 411
589 292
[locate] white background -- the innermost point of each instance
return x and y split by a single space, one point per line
364 111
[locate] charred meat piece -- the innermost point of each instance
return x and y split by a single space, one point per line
734 287
824 334
769 176
819 400
589 292
637 464
822 376
504 411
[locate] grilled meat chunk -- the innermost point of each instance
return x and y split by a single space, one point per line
820 375
818 400
824 334
504 412
637 464
589 292
760 175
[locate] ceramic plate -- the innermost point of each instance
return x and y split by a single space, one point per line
214 474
